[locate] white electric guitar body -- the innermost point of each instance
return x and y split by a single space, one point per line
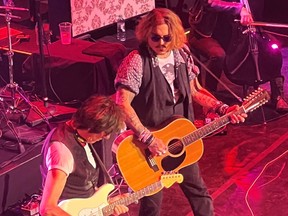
97 205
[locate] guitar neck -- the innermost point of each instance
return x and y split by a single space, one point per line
210 128
108 210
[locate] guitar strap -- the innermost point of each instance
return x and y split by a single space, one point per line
102 166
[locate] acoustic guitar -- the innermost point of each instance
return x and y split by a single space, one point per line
184 143
97 205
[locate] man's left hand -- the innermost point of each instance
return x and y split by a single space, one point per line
236 118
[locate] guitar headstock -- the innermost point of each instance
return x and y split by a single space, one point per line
169 178
256 99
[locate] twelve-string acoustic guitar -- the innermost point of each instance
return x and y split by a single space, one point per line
184 142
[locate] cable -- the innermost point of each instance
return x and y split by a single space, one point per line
4 81
253 183
283 166
240 63
50 78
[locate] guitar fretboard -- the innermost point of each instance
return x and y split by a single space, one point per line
209 128
108 210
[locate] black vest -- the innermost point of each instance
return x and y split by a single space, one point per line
154 104
82 181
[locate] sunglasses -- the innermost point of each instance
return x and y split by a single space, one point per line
157 38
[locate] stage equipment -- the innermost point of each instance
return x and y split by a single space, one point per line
41 50
118 179
250 60
252 57
12 87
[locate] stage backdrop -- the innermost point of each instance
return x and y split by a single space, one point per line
87 15
97 15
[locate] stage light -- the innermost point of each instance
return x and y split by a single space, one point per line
274 46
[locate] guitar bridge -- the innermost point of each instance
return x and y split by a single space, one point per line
151 161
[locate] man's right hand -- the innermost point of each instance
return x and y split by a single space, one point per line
246 17
119 209
157 147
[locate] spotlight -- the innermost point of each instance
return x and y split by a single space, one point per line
274 46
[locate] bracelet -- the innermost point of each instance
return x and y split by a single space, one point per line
222 109
149 140
146 136
216 106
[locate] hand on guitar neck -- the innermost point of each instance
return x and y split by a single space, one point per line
235 117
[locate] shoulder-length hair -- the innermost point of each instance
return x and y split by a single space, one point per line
160 16
99 114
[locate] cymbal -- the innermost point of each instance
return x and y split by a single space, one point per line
13 8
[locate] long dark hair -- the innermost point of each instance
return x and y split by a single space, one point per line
99 114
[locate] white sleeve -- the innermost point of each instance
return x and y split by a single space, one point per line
59 157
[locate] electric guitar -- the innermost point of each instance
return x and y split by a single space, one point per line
97 205
139 168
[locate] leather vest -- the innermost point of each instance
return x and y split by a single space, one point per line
154 104
82 181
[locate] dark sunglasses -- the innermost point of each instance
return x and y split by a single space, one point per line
157 38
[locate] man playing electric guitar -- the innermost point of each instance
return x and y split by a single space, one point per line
70 167
97 205
156 82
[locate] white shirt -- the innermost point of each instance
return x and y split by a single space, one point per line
166 66
59 157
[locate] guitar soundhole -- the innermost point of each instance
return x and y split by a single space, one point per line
175 147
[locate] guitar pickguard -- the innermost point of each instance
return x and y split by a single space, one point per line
169 163
91 211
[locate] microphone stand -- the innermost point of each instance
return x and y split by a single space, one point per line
254 51
215 77
41 50
12 86
40 33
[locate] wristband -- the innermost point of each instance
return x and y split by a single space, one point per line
149 140
146 137
221 110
